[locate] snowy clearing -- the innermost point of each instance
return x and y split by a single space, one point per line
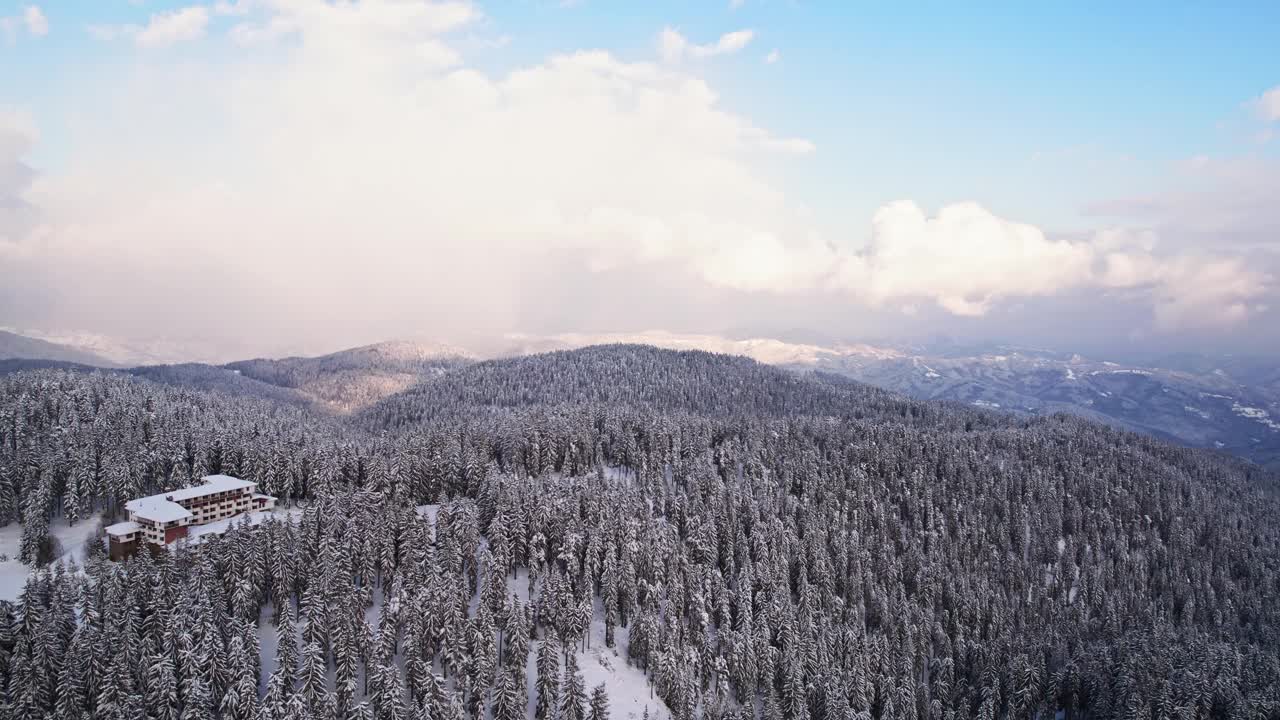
1254 413
1197 411
13 574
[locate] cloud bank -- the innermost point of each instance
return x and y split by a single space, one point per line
347 171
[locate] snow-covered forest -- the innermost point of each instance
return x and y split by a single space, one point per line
622 531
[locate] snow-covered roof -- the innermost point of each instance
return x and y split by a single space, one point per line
164 507
123 528
210 484
157 508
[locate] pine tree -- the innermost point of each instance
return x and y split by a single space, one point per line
388 697
312 684
599 706
508 701
547 681
276 703
517 635
573 696
162 689
197 704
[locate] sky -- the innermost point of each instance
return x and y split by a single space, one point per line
303 175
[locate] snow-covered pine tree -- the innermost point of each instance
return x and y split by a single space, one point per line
599 704
573 695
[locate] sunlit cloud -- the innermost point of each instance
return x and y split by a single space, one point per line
355 165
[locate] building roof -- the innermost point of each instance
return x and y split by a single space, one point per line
157 508
123 528
164 507
210 484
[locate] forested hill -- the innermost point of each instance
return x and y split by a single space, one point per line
748 543
357 377
642 376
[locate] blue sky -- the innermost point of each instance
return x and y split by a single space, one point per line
1038 113
1017 106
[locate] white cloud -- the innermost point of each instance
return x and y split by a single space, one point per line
1269 104
673 46
18 134
358 28
32 19
773 56
36 22
364 173
165 29
1207 293
234 8
965 259
311 165
168 28
17 137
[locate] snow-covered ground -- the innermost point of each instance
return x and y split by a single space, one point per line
1197 411
13 574
629 691
1254 413
630 694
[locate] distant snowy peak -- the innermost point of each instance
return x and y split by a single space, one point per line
765 350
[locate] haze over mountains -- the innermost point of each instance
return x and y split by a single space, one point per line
21 347
1226 403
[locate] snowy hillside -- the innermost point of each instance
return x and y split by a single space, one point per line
756 542
71 541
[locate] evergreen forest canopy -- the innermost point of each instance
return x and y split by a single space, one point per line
755 543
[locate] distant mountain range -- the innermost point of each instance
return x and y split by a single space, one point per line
1227 403
20 347
1233 410
1231 404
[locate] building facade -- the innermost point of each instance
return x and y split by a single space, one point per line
159 520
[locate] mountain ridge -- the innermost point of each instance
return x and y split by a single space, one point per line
1227 403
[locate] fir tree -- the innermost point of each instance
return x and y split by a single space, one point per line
599 705
573 696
